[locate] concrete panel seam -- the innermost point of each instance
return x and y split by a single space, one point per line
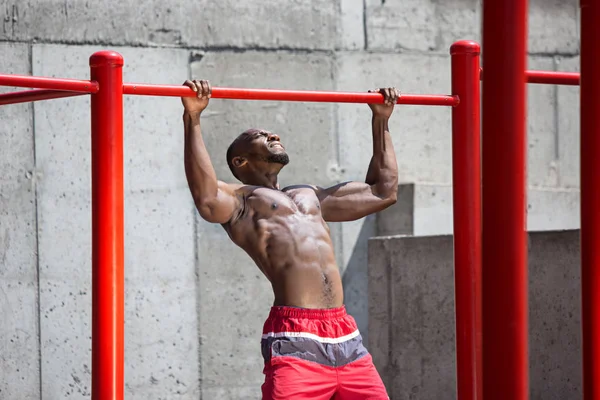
365 30
390 313
34 176
194 57
237 49
553 53
556 115
233 49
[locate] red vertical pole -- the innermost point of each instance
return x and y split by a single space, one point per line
466 182
107 227
590 196
504 240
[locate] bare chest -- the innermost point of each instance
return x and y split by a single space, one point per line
267 202
266 212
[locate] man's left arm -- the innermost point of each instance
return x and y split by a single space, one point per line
354 200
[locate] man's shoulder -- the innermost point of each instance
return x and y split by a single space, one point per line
235 187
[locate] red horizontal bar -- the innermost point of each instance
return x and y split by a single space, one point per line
35 95
38 82
288 95
553 78
549 77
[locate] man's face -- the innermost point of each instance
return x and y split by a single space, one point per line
267 147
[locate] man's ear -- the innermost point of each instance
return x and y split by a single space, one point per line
238 161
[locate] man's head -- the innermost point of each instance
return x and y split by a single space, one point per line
256 154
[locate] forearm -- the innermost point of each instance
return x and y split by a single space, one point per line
201 176
383 168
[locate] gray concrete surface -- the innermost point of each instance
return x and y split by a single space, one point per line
568 124
263 24
411 315
430 25
19 335
195 303
426 209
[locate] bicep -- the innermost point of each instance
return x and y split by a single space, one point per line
349 201
223 207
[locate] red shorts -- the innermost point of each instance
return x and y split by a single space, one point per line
317 355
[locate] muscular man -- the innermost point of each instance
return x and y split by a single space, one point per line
311 347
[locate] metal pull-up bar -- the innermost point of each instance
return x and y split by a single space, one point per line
35 95
82 87
289 95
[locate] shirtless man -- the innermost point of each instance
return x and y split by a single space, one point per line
311 347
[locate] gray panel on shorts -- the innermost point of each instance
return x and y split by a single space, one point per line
330 354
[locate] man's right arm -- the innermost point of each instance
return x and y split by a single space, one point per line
216 201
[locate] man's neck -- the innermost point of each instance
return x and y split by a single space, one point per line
271 182
268 181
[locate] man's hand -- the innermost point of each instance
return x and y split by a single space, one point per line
390 97
195 105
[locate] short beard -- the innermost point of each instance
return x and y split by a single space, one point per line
278 158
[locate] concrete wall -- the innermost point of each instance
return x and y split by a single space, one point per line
411 315
195 303
426 210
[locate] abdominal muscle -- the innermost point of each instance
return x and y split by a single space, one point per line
295 253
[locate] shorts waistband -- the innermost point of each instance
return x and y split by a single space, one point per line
308 313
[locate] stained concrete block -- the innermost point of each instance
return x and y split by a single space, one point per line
161 329
553 26
549 210
162 356
379 310
159 255
399 218
351 34
19 361
232 393
421 25
423 210
234 301
433 212
413 324
433 26
542 135
401 25
65 293
62 129
166 219
161 351
19 344
411 310
192 24
355 237
306 129
555 315
153 125
153 129
568 126
457 20
421 135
